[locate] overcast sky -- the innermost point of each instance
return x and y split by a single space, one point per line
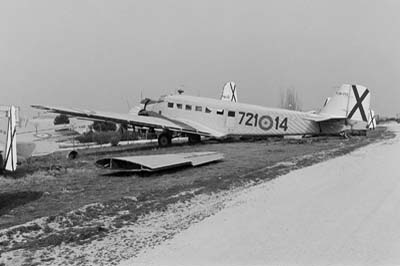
101 54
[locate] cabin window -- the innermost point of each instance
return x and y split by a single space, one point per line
231 113
170 105
188 107
179 105
208 110
220 112
199 108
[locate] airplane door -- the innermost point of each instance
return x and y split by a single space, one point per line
230 121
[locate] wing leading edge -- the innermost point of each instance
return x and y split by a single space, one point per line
158 122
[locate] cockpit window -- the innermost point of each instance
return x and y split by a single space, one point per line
220 112
208 110
188 107
231 113
199 108
179 105
170 105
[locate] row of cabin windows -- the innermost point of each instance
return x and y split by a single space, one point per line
197 108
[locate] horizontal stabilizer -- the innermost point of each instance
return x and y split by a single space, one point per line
322 117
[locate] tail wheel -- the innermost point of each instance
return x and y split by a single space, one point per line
164 140
193 139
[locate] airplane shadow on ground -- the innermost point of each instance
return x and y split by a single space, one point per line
11 200
21 171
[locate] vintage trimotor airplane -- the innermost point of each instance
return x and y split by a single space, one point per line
180 114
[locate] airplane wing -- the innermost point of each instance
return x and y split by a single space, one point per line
131 119
203 128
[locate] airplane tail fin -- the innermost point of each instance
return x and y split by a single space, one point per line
10 152
371 120
350 101
229 92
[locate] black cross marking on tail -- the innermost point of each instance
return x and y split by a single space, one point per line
233 89
371 122
9 151
359 105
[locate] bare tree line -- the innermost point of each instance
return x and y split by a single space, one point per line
290 100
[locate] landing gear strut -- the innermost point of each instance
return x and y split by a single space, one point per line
344 135
164 139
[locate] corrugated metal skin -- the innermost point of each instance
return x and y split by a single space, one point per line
256 120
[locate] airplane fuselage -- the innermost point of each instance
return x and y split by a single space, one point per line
179 114
232 118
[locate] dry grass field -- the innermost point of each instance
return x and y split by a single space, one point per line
53 201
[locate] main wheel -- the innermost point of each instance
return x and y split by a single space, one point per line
72 155
164 140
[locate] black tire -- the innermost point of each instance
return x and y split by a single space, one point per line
194 139
164 140
72 155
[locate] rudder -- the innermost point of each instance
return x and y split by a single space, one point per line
10 152
351 102
229 92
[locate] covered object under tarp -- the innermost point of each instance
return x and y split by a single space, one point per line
153 163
